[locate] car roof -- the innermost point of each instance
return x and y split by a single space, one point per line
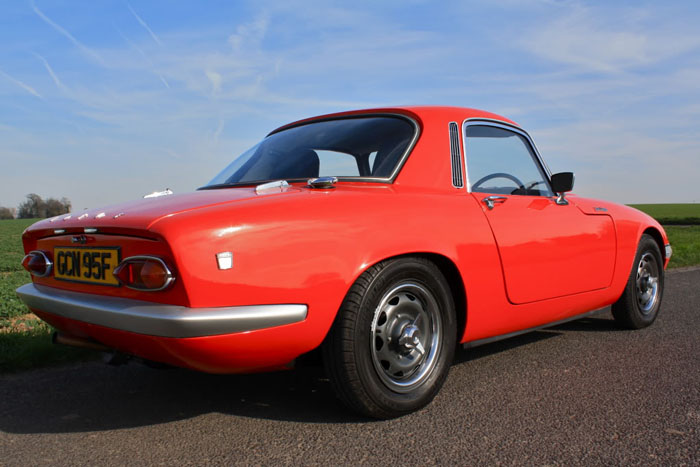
422 114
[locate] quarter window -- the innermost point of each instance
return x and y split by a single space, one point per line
502 161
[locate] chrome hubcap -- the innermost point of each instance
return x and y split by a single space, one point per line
405 337
647 283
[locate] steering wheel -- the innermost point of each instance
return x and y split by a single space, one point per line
510 177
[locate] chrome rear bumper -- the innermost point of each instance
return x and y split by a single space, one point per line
157 319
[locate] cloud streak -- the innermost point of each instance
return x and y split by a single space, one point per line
59 84
592 83
82 47
147 58
145 26
22 85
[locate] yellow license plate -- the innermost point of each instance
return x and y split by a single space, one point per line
85 264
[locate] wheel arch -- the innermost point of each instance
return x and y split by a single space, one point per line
452 275
454 279
658 238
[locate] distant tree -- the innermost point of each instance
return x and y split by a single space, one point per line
35 207
6 213
66 204
55 207
32 208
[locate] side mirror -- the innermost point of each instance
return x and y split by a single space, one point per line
562 182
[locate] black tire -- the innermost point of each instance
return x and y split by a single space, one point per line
398 315
639 304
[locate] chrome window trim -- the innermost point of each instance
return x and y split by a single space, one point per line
402 160
169 278
506 126
456 162
158 319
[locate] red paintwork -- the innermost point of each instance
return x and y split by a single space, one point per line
309 246
539 240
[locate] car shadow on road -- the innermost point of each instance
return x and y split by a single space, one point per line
485 350
590 325
96 397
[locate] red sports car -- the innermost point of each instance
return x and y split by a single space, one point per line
384 237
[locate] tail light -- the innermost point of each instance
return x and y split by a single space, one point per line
144 273
37 263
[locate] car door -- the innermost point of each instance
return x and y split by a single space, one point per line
547 249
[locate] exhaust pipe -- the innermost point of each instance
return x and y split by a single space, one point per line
73 341
114 357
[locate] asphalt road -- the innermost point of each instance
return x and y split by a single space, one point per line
583 393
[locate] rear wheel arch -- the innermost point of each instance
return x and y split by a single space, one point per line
451 273
406 302
454 279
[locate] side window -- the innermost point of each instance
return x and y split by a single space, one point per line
502 161
337 163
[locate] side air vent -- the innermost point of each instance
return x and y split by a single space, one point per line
456 153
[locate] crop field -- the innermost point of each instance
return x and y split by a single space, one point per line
12 274
25 340
672 214
682 224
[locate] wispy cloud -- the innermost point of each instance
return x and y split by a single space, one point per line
217 132
145 26
601 86
584 38
56 80
249 34
83 48
22 85
215 79
147 58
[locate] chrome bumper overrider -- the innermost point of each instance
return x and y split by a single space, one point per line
157 319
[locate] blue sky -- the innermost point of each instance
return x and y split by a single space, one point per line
105 101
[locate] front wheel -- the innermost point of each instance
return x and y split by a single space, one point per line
639 304
392 343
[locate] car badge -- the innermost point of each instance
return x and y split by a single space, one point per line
82 239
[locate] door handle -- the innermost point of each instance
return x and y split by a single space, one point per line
490 201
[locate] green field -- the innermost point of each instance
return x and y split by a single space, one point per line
12 275
672 214
25 340
682 224
685 241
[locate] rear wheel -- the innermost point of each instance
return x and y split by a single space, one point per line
639 304
392 343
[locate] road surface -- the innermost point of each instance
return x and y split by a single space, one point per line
584 393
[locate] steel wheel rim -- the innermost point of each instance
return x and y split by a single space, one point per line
405 337
647 283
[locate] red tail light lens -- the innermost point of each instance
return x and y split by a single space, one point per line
37 263
144 273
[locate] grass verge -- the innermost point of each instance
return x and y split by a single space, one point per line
685 241
25 342
672 214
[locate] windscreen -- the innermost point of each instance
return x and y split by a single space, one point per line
364 147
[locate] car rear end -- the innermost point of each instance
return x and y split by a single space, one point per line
117 286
